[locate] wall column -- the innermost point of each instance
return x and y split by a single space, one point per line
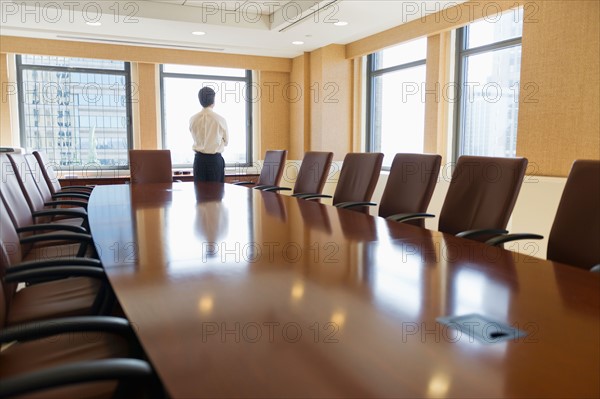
436 95
331 101
559 102
8 90
146 107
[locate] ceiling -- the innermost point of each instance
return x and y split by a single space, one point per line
266 27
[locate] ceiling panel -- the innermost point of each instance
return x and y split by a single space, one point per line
264 7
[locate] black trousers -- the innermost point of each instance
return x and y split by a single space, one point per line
209 167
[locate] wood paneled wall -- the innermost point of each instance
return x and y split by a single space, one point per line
299 107
559 105
274 111
331 101
7 91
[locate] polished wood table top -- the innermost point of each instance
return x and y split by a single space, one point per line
239 293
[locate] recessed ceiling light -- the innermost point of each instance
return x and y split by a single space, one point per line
94 23
298 43
341 23
198 33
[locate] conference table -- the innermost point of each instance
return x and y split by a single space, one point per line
234 292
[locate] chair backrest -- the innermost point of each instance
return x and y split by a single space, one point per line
35 170
410 185
11 192
9 236
150 166
272 169
358 178
3 298
482 194
10 251
575 233
313 172
48 172
27 181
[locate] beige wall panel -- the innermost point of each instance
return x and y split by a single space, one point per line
306 102
450 17
316 112
559 114
274 112
433 100
148 90
21 45
436 99
297 108
331 101
6 136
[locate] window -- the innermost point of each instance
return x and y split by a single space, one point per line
395 107
180 86
489 69
76 110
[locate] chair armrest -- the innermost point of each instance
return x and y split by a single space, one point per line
346 205
243 183
481 232
262 187
403 217
53 273
79 237
85 188
595 269
76 373
46 328
67 262
82 204
302 195
312 196
496 241
52 227
73 194
274 188
75 213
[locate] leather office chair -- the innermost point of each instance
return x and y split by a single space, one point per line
312 174
82 290
20 206
575 233
51 178
481 197
75 357
357 181
410 186
271 172
150 166
38 196
35 170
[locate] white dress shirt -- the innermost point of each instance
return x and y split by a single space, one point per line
209 131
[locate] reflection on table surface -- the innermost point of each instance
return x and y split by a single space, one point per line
236 292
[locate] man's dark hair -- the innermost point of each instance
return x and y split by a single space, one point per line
206 95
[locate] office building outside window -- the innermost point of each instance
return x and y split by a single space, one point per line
489 68
75 110
395 102
179 87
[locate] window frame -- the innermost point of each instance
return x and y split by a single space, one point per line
125 72
247 80
372 74
462 54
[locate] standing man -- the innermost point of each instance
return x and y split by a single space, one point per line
209 131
